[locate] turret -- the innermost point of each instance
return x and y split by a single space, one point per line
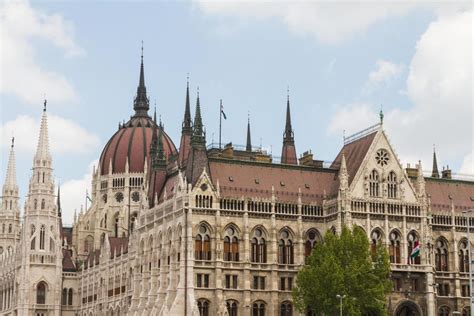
435 172
288 153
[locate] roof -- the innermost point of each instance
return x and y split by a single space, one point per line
355 153
68 264
66 232
443 192
118 246
133 141
237 178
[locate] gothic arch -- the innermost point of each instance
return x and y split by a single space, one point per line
262 228
234 226
408 308
289 230
203 223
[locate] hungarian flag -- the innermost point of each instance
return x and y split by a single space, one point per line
222 112
415 252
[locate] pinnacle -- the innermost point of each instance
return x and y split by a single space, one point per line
10 178
42 150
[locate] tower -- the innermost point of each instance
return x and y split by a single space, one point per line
9 209
288 152
40 272
186 131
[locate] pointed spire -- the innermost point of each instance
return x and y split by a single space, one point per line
10 178
249 140
420 179
288 135
42 151
288 155
187 121
343 175
158 159
199 137
141 104
435 172
59 200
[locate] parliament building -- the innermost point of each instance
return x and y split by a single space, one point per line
203 230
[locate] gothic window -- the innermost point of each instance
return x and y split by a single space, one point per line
443 311
258 309
10 205
466 311
375 240
463 256
203 307
286 309
374 183
116 226
42 204
69 297
43 177
135 196
41 293
392 185
441 255
3 228
33 243
64 297
413 245
42 232
202 244
382 157
259 247
35 204
10 229
311 241
132 222
231 307
285 248
119 197
231 245
394 248
33 229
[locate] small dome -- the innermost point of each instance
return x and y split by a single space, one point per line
132 140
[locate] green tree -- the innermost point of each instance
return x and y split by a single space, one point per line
342 264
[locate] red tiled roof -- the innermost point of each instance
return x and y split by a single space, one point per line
66 232
118 246
443 192
355 153
256 180
68 264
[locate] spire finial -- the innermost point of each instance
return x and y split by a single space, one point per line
44 105
142 51
187 79
381 114
13 142
288 93
141 102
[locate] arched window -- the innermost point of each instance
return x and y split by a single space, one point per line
231 307
259 247
392 185
3 228
33 229
42 232
203 307
443 311
394 248
43 204
375 240
258 309
285 248
202 244
116 226
51 244
441 255
463 256
69 297
10 228
414 248
374 183
33 243
41 293
466 311
64 297
286 309
311 241
231 245
35 204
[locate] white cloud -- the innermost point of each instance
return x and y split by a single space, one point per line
439 85
384 73
327 21
467 166
65 136
21 74
350 118
73 194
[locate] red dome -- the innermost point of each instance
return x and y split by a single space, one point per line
133 141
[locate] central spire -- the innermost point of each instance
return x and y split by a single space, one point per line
141 104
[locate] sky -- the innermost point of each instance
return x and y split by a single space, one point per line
340 63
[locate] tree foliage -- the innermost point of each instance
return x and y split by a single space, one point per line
342 264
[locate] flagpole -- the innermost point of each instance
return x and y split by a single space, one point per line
220 124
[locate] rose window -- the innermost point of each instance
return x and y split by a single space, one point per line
382 157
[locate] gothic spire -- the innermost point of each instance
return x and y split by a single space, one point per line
187 121
249 140
141 103
42 151
158 159
288 153
10 178
59 200
199 137
435 172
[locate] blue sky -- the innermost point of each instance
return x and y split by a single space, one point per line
341 61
